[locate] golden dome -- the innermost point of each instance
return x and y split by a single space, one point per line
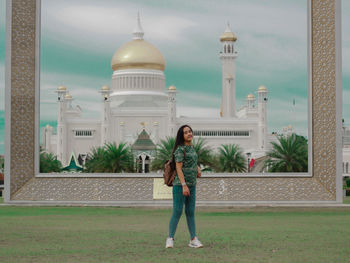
68 96
105 87
250 96
172 87
138 53
228 36
262 88
62 88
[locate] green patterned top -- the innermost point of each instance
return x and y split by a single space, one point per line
189 164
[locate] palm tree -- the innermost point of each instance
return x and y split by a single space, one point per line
49 163
203 151
95 161
110 158
119 158
230 159
163 153
289 155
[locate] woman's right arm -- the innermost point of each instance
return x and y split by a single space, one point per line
185 190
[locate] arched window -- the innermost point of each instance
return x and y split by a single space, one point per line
229 49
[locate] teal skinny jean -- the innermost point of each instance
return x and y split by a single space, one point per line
190 203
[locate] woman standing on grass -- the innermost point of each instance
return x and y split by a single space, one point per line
184 186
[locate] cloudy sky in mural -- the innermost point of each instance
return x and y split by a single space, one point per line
79 38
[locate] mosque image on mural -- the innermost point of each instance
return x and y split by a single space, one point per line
138 109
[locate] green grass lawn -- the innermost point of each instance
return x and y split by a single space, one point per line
346 200
106 234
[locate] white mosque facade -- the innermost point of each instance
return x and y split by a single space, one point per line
138 99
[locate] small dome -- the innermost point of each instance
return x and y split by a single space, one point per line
172 87
68 96
262 88
250 96
105 87
228 35
62 88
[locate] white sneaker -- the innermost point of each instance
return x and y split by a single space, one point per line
195 243
169 242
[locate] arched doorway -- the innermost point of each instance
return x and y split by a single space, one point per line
143 163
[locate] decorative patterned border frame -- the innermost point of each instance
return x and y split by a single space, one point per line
23 184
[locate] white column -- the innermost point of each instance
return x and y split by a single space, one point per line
156 131
228 83
262 110
43 137
61 126
172 112
48 134
122 131
105 92
143 157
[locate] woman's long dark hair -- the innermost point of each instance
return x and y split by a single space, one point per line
179 141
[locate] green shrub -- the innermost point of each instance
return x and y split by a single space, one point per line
347 182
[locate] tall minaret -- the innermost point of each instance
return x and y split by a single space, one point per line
228 56
61 123
105 91
262 109
172 111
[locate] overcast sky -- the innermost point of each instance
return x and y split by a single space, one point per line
79 38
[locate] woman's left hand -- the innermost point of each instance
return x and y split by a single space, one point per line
199 172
